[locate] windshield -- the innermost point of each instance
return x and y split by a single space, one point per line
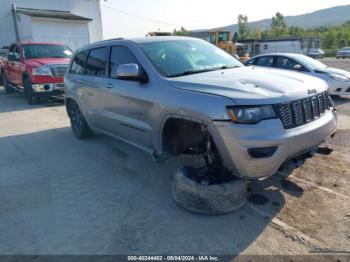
181 57
46 51
345 49
310 62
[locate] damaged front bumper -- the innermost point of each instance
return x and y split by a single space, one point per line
255 151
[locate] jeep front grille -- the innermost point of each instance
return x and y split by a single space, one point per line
58 70
300 112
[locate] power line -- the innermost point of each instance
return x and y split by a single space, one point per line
137 16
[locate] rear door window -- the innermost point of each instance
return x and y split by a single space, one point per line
121 55
250 62
78 64
285 63
96 64
264 61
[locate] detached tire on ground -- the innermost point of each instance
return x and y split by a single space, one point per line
208 199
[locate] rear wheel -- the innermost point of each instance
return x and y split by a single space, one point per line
79 125
7 86
29 94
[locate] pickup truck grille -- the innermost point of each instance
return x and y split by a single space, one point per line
58 71
300 112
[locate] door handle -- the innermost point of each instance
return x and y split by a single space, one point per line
109 85
79 81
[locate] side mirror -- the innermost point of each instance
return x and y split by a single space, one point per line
130 72
297 67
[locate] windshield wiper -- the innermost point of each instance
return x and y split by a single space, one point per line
191 72
226 67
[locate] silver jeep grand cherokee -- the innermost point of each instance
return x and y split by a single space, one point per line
176 95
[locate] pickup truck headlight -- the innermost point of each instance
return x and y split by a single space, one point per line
251 114
42 71
339 77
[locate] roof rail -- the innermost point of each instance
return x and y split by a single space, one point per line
112 39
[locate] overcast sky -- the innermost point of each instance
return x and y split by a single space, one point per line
132 18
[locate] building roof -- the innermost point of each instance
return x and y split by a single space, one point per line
52 14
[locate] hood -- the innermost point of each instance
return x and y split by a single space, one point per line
332 70
36 62
252 85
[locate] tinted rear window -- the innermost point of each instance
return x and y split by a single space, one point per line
78 64
97 62
264 61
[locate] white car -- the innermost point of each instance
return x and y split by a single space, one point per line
316 53
338 80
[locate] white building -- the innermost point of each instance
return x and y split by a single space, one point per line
301 45
73 22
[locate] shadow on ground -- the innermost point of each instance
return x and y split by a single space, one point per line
16 102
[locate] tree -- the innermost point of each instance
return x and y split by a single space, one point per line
265 34
257 32
243 27
329 39
296 31
278 25
182 32
341 43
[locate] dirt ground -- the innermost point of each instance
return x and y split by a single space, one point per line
60 195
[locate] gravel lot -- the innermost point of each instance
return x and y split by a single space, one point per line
60 195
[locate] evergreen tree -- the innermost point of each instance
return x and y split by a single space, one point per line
278 25
243 27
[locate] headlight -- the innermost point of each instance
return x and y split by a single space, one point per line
41 71
339 77
250 114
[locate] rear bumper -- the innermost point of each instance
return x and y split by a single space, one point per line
233 142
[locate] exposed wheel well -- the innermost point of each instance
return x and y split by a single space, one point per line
182 136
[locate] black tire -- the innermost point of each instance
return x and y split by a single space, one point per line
79 125
208 199
30 96
8 88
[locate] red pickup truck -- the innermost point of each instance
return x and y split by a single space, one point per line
37 69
